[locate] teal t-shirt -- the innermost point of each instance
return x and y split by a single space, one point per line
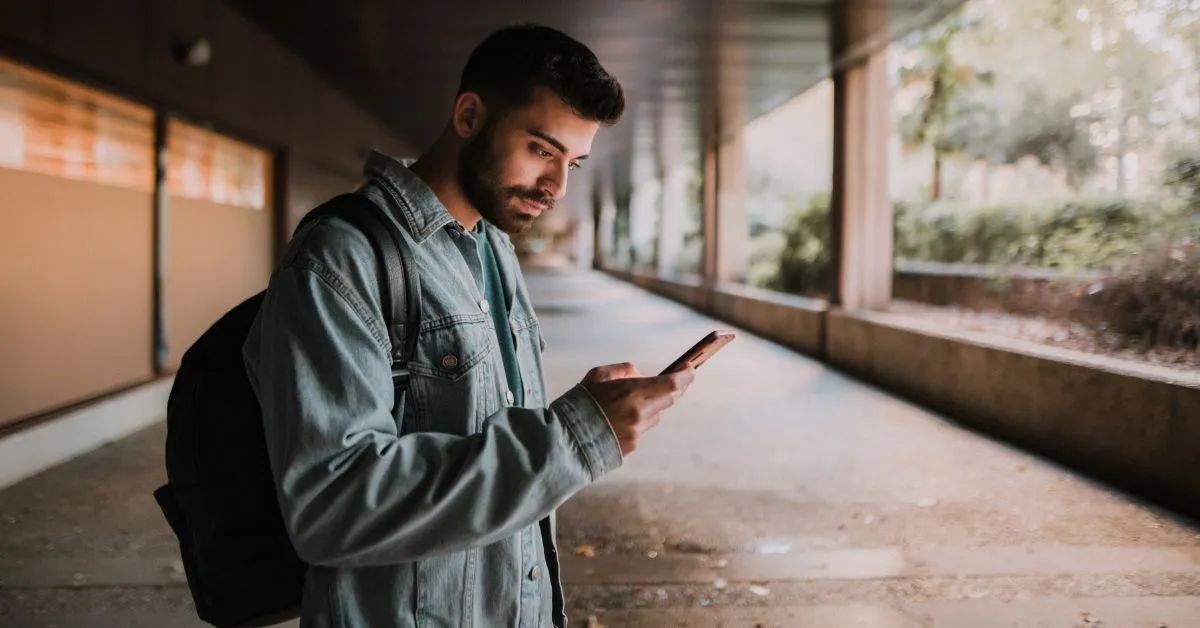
493 291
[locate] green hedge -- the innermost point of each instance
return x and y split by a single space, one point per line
1072 235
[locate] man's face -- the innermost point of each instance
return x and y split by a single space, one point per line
516 167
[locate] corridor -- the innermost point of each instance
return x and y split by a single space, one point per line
776 493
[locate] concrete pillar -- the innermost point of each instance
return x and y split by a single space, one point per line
674 219
861 216
673 173
645 195
726 230
732 228
709 264
605 208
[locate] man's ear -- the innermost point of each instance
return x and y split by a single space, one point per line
469 115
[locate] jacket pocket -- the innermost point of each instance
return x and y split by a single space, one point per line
452 371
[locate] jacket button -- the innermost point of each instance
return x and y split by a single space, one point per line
508 394
450 361
535 573
483 305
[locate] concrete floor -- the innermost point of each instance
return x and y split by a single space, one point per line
777 493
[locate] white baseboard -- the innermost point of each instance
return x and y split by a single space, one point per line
28 452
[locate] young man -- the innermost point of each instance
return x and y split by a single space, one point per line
441 513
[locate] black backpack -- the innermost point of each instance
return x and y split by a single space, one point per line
220 498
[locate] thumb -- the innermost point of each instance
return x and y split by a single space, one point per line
611 372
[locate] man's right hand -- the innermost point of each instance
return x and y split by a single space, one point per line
632 402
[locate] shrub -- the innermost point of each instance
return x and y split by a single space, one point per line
1153 294
1072 235
803 261
1154 298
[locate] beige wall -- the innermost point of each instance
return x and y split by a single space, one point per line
218 256
254 87
75 292
309 186
78 320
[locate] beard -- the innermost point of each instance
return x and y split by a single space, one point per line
479 178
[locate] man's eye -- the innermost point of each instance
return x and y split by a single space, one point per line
574 165
543 153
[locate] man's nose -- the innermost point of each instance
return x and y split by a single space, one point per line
554 184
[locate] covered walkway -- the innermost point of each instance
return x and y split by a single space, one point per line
777 493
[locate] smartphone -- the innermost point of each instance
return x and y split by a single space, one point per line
701 351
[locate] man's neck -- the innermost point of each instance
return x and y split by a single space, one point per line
438 169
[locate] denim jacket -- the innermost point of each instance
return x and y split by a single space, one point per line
438 510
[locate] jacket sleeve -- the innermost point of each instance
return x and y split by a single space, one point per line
353 491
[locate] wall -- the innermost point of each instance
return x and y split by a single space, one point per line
82 324
253 88
203 286
1136 427
75 293
1038 292
787 319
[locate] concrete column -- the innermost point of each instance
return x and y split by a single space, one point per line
646 188
726 230
861 210
674 189
709 265
674 219
732 229
605 208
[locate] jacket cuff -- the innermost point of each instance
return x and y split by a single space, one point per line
594 436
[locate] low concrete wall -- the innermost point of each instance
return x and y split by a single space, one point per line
1136 427
29 451
792 321
1039 291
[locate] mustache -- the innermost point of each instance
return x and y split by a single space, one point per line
536 196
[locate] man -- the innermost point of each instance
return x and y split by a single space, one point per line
441 512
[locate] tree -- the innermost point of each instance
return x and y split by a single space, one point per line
944 80
1044 128
1072 82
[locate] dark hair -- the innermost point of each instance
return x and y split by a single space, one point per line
506 67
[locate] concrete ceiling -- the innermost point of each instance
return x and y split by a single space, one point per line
679 60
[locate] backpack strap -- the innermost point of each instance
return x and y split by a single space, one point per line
400 285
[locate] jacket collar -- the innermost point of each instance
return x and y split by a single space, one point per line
419 208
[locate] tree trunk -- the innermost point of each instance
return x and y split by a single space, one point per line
935 192
1122 140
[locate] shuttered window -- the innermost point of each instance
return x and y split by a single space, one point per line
51 126
203 165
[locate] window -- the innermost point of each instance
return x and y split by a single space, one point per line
51 126
207 166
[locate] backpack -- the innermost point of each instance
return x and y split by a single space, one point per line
220 498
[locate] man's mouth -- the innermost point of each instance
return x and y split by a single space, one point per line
534 206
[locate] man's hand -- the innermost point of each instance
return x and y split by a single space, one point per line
633 402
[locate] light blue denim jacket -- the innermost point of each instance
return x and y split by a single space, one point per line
440 512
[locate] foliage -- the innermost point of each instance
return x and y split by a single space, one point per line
1155 297
804 261
1068 83
1183 178
1044 128
944 79
1070 235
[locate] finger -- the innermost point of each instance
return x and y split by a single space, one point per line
654 406
669 384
